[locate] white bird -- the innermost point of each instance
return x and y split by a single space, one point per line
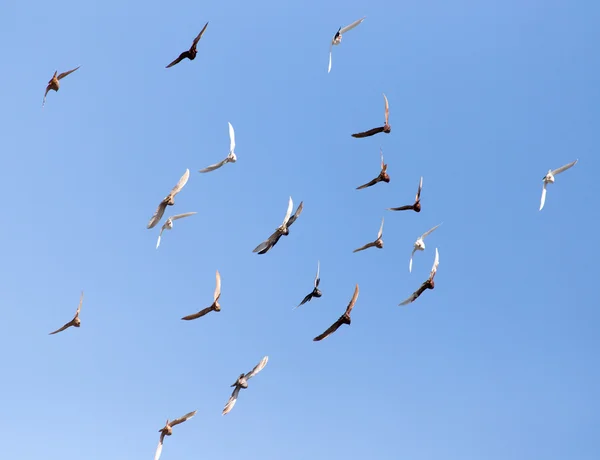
168 225
420 245
337 38
549 179
231 158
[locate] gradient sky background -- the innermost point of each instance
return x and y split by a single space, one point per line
499 361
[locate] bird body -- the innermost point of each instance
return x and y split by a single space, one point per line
242 383
168 225
419 245
344 319
230 158
337 38
169 200
75 322
215 306
378 243
428 284
54 83
549 179
416 206
386 128
192 52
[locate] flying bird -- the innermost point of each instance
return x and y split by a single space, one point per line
283 229
337 38
416 206
383 175
54 84
75 322
429 284
168 225
377 243
231 158
382 129
315 292
242 382
169 200
549 179
167 430
215 305
420 245
344 319
191 53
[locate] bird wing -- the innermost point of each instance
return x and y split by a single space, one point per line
564 168
180 58
231 138
296 214
159 447
415 295
429 231
259 367
366 246
182 181
352 301
231 401
543 196
351 26
197 39
330 49
306 299
380 230
368 184
159 237
217 286
215 166
181 216
411 259
387 110
45 94
158 214
334 327
268 242
317 279
418 196
69 324
288 212
64 74
183 419
368 133
79 306
383 166
436 263
401 208
199 314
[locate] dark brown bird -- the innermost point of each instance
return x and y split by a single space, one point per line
315 292
215 305
54 84
382 129
169 200
283 229
378 243
167 430
429 284
344 319
416 206
383 175
191 53
75 322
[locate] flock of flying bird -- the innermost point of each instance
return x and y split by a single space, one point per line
283 230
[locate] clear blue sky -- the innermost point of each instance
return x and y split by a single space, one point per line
499 362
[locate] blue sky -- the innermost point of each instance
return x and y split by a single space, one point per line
499 361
